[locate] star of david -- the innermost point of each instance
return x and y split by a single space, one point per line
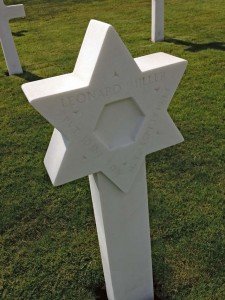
110 112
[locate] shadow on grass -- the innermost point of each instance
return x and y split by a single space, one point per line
19 33
194 47
28 76
100 294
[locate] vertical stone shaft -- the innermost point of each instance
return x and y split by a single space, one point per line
157 20
124 236
9 49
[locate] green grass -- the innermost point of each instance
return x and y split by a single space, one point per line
48 241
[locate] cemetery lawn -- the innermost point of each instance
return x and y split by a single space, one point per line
48 240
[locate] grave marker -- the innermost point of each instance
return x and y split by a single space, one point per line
11 56
108 115
157 20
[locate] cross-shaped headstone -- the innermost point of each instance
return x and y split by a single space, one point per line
108 114
11 56
157 20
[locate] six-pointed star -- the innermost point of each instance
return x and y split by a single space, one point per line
110 112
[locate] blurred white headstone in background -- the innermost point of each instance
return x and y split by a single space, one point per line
157 20
11 56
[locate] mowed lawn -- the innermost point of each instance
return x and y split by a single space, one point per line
48 240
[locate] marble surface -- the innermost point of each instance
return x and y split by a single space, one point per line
106 79
124 237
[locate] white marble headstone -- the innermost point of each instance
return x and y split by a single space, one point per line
157 20
11 57
108 115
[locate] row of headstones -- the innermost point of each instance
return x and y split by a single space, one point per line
108 114
16 11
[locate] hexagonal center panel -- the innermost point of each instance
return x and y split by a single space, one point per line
119 123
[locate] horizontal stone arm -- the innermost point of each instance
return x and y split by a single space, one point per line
15 11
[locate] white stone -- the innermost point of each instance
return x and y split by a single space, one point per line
109 114
11 56
123 231
157 20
